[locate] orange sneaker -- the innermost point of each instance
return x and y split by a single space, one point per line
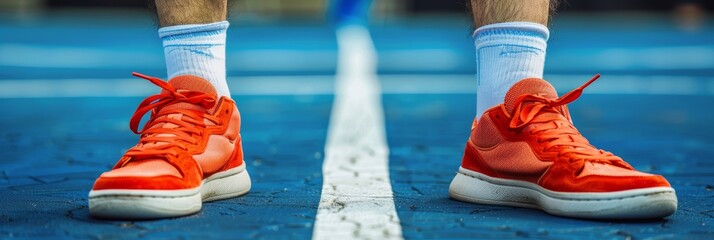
527 153
189 152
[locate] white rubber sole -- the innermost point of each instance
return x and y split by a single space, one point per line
474 187
152 204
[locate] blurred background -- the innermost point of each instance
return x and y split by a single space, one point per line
66 95
109 39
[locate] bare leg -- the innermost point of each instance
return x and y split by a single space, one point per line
179 12
497 11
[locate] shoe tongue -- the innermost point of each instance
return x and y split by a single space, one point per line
530 86
190 83
183 83
193 83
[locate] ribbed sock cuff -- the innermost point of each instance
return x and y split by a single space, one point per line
194 33
512 33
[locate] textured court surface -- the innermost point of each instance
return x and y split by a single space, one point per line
653 107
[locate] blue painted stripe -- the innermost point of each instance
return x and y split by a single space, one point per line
324 85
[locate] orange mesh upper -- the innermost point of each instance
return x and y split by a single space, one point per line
485 135
507 157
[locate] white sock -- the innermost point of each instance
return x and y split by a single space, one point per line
197 49
505 54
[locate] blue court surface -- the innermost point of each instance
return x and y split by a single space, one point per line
67 96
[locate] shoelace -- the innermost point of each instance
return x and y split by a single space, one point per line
167 141
555 133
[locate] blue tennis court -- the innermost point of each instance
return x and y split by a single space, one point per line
67 95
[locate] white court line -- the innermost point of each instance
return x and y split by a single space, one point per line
357 200
321 84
